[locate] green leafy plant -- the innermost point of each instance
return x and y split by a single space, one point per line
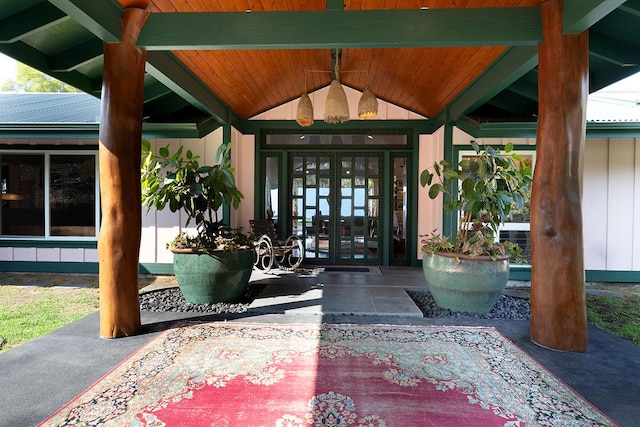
178 180
490 185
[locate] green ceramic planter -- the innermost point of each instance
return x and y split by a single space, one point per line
212 278
473 284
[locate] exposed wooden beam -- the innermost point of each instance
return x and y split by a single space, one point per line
579 15
101 18
27 21
171 73
506 70
165 105
525 88
632 7
617 52
28 55
519 26
77 56
155 90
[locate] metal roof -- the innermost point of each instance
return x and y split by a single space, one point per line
49 108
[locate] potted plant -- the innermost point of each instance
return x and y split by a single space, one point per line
215 264
470 271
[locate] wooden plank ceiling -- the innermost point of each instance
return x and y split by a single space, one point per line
423 80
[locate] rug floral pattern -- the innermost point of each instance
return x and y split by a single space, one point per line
240 374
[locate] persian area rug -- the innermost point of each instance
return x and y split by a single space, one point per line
239 374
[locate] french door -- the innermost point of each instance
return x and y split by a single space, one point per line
335 205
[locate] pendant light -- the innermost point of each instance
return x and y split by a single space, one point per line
336 109
304 116
368 105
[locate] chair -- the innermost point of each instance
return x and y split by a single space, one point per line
286 255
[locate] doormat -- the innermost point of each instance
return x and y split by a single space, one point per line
241 374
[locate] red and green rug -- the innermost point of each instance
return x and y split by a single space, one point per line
239 374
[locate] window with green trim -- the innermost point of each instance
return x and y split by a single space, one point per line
49 195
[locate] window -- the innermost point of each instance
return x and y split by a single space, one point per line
49 195
516 229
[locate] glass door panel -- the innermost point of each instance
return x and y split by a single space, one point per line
335 202
399 214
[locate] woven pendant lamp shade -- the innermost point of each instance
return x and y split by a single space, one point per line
368 105
337 108
305 111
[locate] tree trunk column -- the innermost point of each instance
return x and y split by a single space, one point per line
558 304
119 155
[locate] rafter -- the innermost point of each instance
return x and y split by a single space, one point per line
506 70
617 52
76 56
165 68
582 14
22 24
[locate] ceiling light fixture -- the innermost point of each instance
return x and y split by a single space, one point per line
336 105
336 108
368 105
304 116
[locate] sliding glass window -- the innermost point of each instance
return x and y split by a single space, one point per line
49 195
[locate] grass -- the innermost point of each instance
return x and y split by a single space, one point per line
618 316
28 312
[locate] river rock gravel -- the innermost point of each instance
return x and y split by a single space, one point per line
171 300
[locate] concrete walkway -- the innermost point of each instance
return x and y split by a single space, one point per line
42 375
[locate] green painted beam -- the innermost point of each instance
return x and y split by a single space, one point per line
77 56
579 15
468 125
255 126
155 90
507 130
101 18
512 65
616 52
27 21
26 54
525 88
165 105
165 68
632 7
519 26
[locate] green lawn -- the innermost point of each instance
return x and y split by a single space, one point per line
28 312
618 316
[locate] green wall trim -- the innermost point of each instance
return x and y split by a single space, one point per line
49 267
66 244
156 268
519 273
616 276
76 267
516 272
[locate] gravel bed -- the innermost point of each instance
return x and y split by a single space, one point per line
505 308
172 300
